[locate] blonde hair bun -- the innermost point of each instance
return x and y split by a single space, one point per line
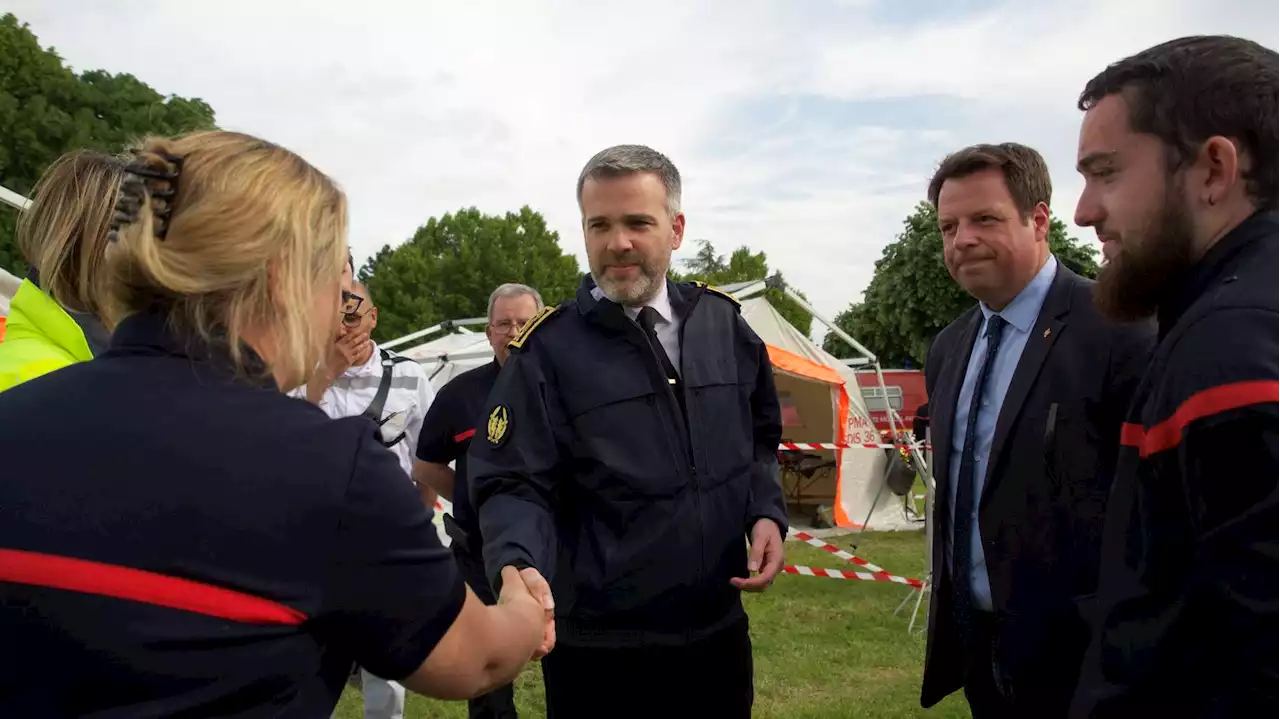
226 233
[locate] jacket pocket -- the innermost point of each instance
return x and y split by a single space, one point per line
720 414
621 443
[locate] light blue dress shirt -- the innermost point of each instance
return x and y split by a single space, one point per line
1021 314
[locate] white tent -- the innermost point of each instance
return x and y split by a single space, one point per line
448 356
821 405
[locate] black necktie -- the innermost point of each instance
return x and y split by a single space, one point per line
961 559
648 320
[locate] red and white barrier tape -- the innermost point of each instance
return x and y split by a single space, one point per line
876 574
802 446
846 574
813 541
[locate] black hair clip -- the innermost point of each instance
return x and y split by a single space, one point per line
128 202
133 189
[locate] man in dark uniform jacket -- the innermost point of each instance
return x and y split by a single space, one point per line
446 434
629 452
1178 150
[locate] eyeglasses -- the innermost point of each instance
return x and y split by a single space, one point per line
350 309
350 302
508 325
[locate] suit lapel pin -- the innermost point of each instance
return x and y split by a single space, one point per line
1047 332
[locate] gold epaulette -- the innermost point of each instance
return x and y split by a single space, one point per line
532 325
718 291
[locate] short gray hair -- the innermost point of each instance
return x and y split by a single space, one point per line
622 160
512 289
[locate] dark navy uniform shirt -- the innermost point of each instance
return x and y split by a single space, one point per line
448 429
587 467
1187 616
175 541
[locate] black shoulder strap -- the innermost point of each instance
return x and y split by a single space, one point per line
374 412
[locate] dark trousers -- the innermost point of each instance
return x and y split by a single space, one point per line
989 696
501 702
708 678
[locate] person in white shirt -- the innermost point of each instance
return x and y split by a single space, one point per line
391 390
399 399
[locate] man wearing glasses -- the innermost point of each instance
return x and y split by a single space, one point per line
359 378
445 436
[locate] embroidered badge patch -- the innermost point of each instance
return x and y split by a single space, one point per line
499 423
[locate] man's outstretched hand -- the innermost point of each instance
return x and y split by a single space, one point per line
765 557
541 591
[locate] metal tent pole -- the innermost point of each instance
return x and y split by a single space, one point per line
13 199
446 325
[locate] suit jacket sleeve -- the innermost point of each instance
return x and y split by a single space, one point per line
512 469
766 423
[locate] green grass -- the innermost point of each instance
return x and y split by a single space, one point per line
824 648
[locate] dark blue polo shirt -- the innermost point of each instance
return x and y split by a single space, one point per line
447 431
177 541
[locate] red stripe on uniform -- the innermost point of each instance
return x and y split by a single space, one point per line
138 585
1206 403
464 436
1131 435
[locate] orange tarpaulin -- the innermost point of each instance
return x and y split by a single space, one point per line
793 364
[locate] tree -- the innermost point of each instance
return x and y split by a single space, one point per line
741 266
46 109
450 266
911 296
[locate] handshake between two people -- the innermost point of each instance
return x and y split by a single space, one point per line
529 594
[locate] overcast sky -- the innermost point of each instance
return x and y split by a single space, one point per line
804 128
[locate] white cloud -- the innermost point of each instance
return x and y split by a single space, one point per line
422 108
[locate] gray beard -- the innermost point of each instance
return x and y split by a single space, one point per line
634 294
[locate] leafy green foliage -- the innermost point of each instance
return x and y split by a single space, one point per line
46 109
741 266
450 266
912 297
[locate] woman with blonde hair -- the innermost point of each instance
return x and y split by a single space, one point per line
213 547
53 317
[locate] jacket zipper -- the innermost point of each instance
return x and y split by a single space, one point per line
684 440
700 568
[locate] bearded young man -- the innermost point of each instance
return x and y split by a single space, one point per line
1178 150
628 451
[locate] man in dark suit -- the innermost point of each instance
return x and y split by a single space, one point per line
1028 391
